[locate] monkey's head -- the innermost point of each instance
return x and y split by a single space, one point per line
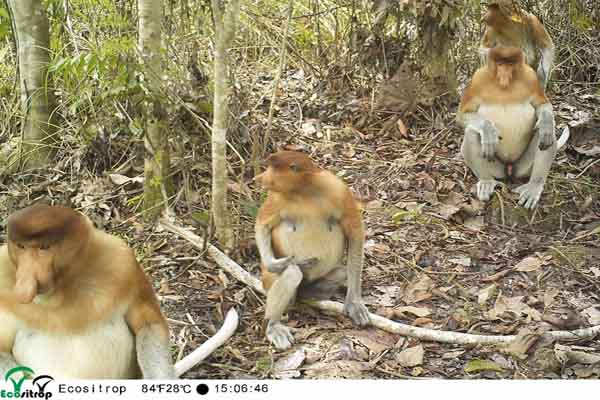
501 12
505 63
287 171
43 241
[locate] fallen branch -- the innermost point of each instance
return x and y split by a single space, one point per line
376 320
229 326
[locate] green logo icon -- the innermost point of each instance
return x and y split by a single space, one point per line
27 374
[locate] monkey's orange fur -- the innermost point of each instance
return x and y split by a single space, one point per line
505 91
511 26
92 289
299 190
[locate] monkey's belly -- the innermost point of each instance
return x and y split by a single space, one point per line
304 240
515 126
104 352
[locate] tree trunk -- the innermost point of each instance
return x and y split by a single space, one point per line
32 36
156 139
224 30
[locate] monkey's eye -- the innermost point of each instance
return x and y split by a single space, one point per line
294 168
20 245
44 246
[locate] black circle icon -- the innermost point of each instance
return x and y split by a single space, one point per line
202 388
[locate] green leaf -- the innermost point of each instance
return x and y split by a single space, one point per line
477 365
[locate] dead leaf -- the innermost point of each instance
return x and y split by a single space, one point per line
523 343
447 210
347 369
417 311
375 340
411 357
568 353
567 319
486 293
507 306
287 367
118 179
419 290
528 264
549 296
451 355
402 128
475 223
388 296
593 315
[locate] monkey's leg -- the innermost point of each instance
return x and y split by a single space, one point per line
324 287
154 353
487 171
279 296
7 361
537 164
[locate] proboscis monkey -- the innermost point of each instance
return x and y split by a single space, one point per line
307 224
75 303
509 126
510 26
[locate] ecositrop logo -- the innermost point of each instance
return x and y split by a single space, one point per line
26 373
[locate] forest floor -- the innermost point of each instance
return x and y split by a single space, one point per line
435 256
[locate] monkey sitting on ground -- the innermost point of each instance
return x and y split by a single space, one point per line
509 126
510 26
308 222
75 303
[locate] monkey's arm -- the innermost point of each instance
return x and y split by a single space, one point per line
488 133
353 228
546 48
545 125
151 334
544 115
268 217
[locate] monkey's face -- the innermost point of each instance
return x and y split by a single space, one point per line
35 267
280 179
504 74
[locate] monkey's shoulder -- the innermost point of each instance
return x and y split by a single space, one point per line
112 253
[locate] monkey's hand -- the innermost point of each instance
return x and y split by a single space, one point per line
489 140
279 335
357 312
530 193
278 265
545 126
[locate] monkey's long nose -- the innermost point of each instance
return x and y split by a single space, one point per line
258 177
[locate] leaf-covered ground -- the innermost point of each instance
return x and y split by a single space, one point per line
435 256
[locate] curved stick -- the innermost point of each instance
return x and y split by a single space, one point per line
229 326
376 320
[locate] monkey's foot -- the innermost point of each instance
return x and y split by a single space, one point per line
529 194
279 335
485 188
357 312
